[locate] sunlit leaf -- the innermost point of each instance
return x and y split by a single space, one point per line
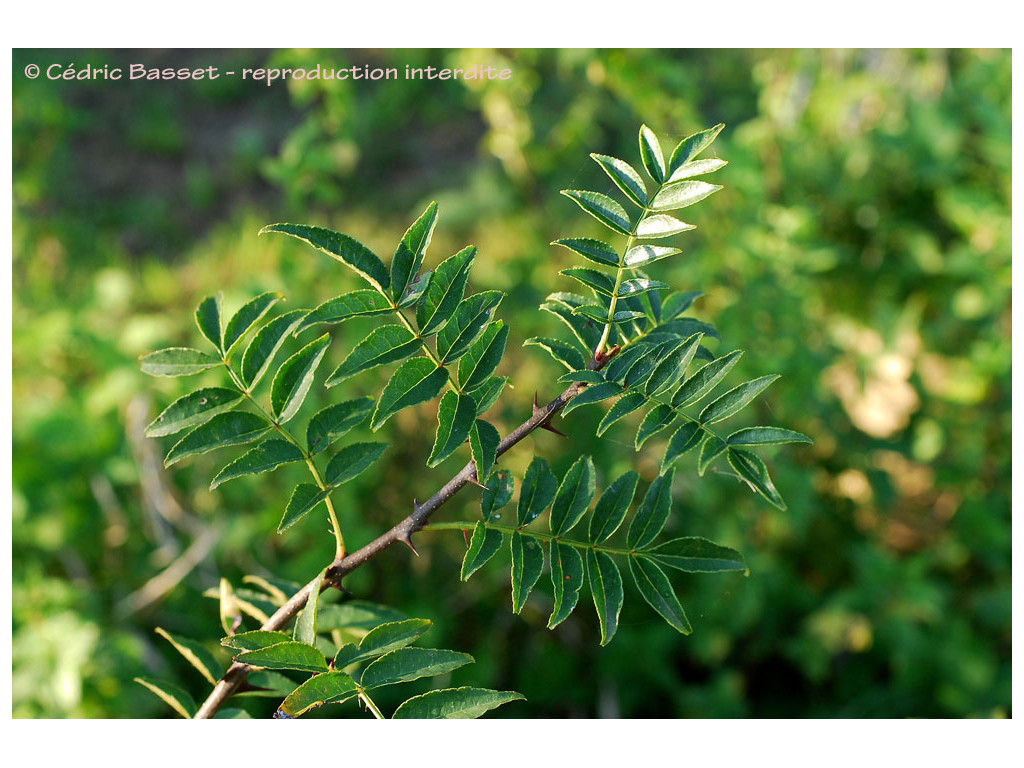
406 664
305 621
351 461
176 698
650 153
658 418
409 254
335 421
385 344
208 320
601 282
592 394
593 250
382 639
682 194
456 415
704 380
177 361
416 381
287 655
692 146
735 400
294 378
196 654
326 688
264 345
625 177
602 208
444 291
696 168
257 638
366 302
642 255
244 319
564 353
660 225
268 455
345 249
222 431
624 406
193 409
454 703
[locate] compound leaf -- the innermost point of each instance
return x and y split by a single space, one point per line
602 208
625 177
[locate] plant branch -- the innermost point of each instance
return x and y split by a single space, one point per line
403 531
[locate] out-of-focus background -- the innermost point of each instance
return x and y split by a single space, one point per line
861 248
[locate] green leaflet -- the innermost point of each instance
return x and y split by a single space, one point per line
454 703
601 282
244 319
657 419
592 394
294 378
176 698
272 684
415 290
750 467
606 589
654 510
697 168
385 344
600 315
642 255
287 655
660 225
620 365
483 357
638 286
357 615
711 450
444 291
406 664
305 621
193 409
584 376
704 380
268 455
735 400
593 250
208 320
351 461
692 146
468 322
223 430
566 581
573 497
682 194
366 302
612 507
672 368
537 491
693 554
677 303
766 436
483 446
625 177
177 361
305 498
326 688
416 381
562 305
482 547
564 353
382 639
456 415
656 589
264 345
487 394
335 421
409 254
257 638
527 564
345 249
602 208
624 406
196 654
650 154
497 493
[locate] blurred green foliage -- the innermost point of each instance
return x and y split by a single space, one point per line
861 248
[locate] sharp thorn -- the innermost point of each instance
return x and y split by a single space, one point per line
465 537
549 428
407 540
473 479
536 406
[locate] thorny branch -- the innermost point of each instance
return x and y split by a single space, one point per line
403 532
